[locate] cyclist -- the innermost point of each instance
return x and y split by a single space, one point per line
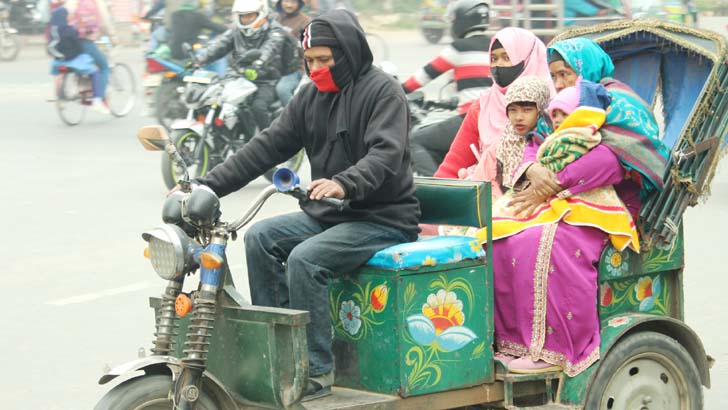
467 57
91 18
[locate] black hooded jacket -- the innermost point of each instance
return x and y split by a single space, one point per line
357 137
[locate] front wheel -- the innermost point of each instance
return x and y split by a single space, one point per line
646 370
73 94
186 142
9 46
149 392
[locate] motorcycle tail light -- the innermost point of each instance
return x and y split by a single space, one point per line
154 66
170 74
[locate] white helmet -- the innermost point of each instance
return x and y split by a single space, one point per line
241 7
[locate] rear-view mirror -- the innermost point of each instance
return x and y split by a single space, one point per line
153 137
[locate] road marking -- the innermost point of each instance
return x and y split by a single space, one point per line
98 295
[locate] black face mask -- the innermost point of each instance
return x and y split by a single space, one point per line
504 76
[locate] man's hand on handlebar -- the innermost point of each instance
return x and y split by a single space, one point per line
325 188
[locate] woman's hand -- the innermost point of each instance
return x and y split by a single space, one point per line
543 180
526 201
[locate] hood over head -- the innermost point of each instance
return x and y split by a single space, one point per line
339 29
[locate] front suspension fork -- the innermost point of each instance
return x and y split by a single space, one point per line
188 386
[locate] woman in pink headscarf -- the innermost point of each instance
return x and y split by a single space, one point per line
514 52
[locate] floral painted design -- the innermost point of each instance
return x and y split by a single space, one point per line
441 321
438 328
645 294
606 295
378 298
356 316
617 262
350 316
618 321
646 291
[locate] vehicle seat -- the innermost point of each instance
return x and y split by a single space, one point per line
442 201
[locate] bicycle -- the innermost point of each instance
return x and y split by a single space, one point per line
74 91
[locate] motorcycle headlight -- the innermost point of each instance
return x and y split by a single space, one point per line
171 251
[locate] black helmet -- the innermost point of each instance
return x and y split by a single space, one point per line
468 15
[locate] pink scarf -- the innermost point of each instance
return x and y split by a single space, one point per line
521 45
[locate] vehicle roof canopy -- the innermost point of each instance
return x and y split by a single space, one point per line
683 71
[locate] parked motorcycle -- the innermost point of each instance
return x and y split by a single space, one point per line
219 122
9 42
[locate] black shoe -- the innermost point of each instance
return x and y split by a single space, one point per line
314 390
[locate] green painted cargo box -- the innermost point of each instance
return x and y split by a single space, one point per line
411 332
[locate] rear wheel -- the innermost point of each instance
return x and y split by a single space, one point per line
9 46
149 392
121 92
73 92
646 370
168 105
186 142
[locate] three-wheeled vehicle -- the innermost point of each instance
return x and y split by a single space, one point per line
213 350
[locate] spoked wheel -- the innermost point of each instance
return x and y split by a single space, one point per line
379 47
121 92
168 105
73 92
9 47
294 164
647 370
186 142
150 392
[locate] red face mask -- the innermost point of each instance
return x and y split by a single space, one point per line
324 81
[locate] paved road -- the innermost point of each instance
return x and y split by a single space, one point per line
76 200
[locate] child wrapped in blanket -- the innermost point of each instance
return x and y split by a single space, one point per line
577 113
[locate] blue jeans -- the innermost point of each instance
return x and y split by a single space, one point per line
157 38
90 48
313 253
287 85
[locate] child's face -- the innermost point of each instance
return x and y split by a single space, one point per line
558 117
523 118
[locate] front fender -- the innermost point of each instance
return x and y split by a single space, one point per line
185 124
173 365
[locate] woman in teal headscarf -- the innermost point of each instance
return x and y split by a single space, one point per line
630 131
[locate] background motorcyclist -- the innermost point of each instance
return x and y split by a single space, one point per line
468 57
187 23
252 29
294 20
